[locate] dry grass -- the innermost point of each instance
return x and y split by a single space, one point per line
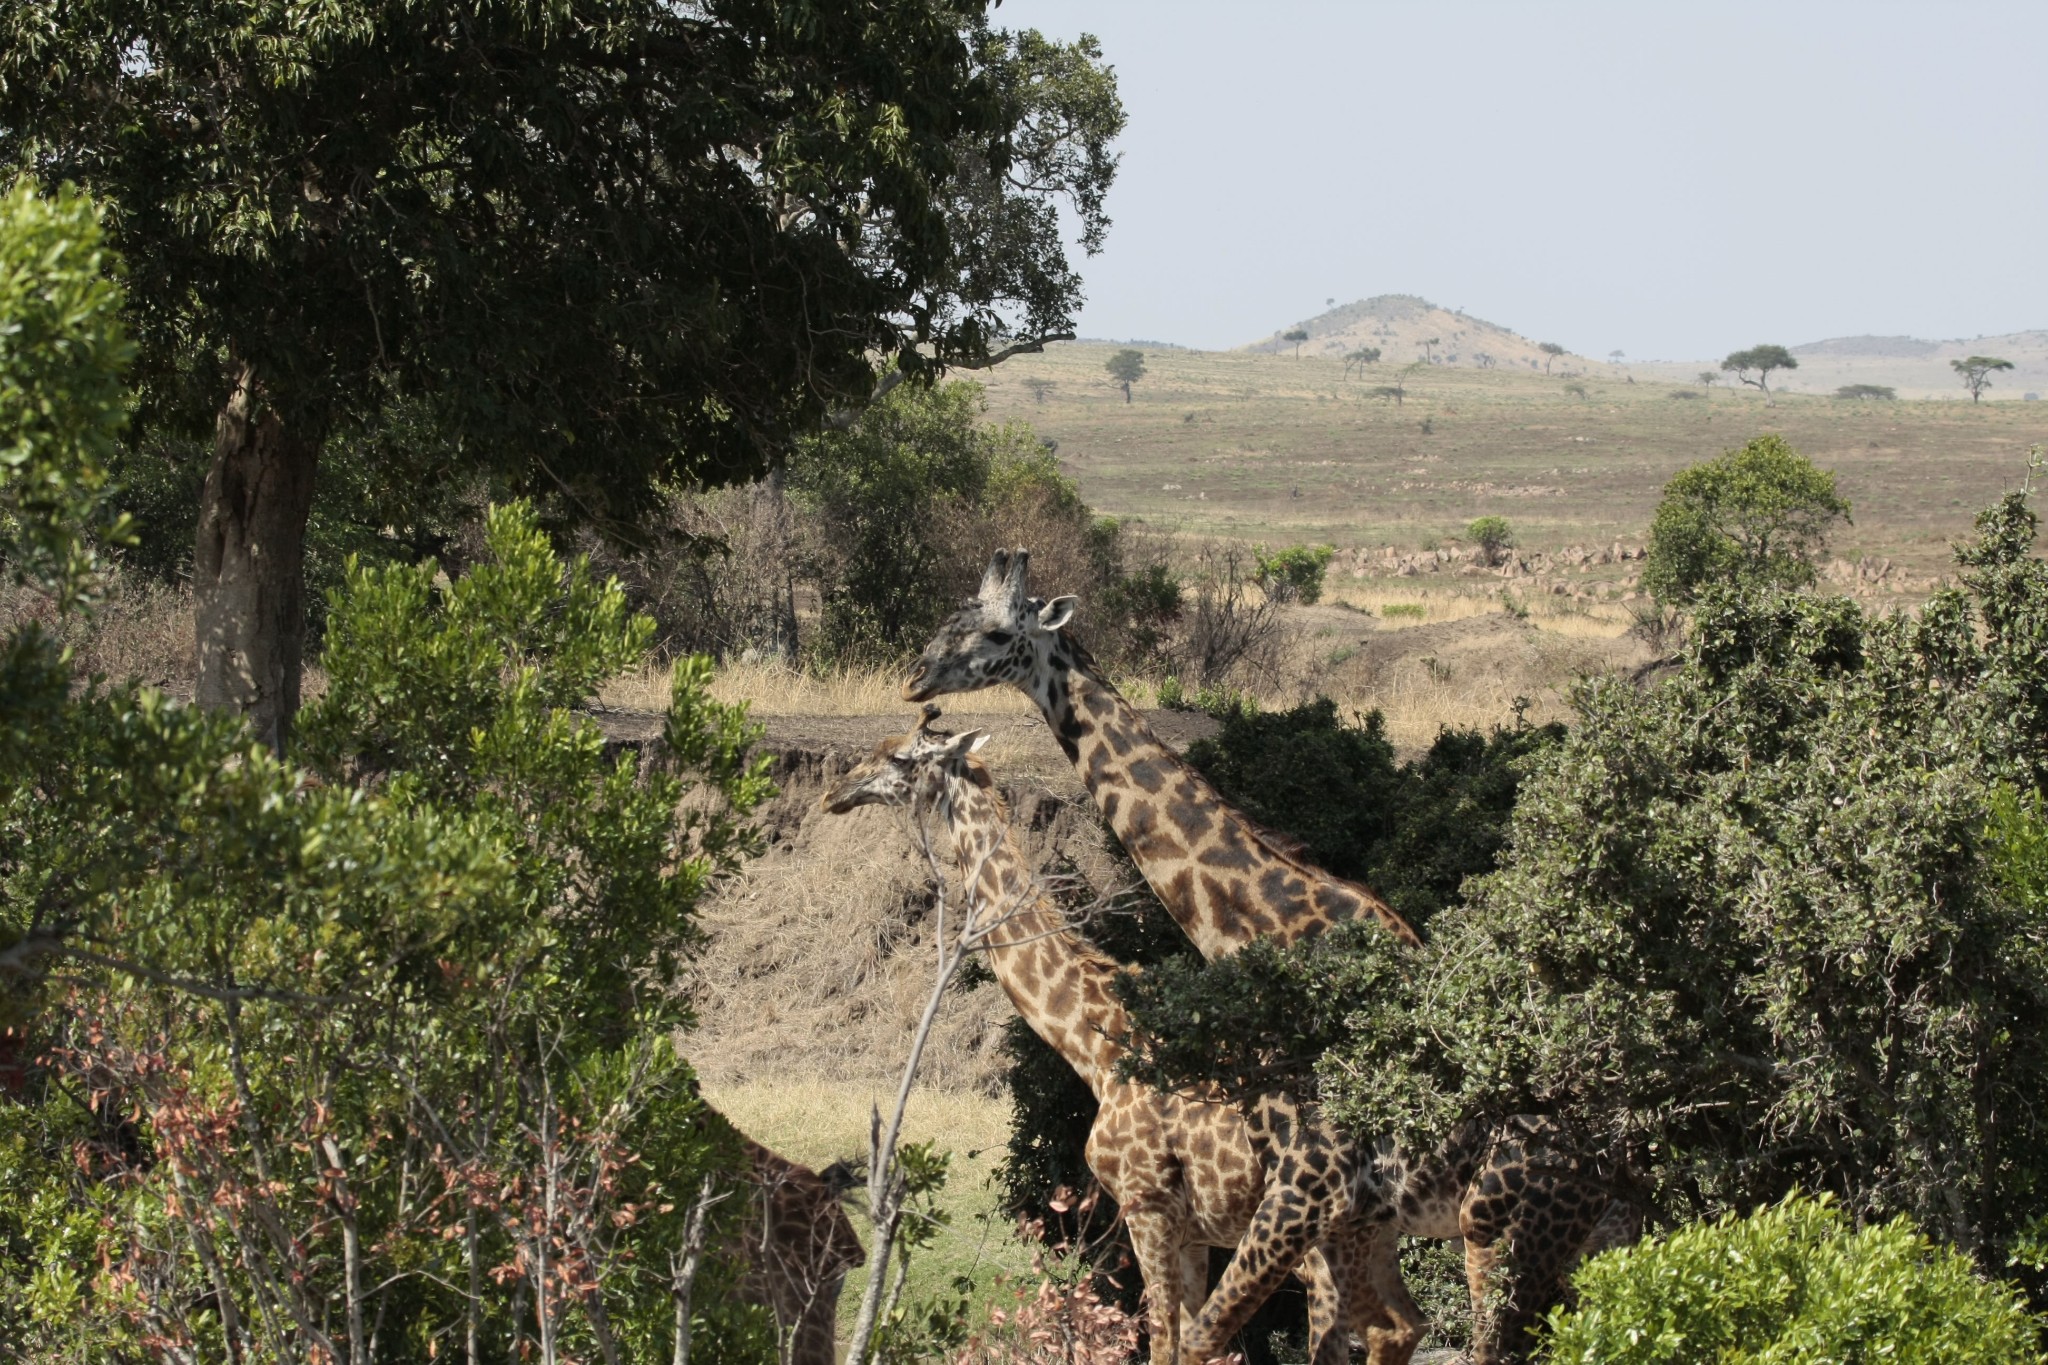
140 629
775 690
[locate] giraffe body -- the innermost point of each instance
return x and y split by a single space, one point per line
797 1245
1182 1166
1226 882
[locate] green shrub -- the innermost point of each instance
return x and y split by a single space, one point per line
442 953
1492 535
902 508
1403 611
1755 518
1791 1284
1412 831
1294 574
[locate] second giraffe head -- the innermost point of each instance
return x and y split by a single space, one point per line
900 766
1001 635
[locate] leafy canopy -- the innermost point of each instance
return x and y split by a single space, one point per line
600 239
1755 517
1294 574
1126 366
1976 371
1762 359
1491 534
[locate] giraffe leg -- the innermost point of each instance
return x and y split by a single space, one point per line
1328 1341
1154 1236
1281 1233
1194 1287
1366 1258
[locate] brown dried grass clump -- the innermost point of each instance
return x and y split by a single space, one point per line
139 630
820 955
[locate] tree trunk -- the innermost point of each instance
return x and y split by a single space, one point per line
249 562
773 490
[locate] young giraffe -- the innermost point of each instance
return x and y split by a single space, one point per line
1227 882
1180 1166
797 1245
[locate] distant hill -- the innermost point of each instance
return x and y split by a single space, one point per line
1915 367
1891 348
1400 325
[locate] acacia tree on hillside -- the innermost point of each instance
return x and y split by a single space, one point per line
1762 359
1551 351
1360 358
1976 372
612 248
1297 335
1126 367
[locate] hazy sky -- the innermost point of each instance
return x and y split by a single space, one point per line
1676 180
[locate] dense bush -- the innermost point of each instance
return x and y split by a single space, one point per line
1755 931
396 1026
1792 1284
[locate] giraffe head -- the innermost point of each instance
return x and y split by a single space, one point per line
902 765
1001 635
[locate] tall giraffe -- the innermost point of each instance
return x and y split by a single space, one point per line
1227 882
1181 1166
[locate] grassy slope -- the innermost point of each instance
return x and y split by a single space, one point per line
1268 446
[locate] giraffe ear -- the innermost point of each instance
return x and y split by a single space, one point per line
1055 614
966 742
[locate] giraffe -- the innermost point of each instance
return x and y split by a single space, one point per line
1226 882
1181 1166
797 1245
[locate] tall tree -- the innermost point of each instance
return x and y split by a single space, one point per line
1126 367
1976 372
613 245
1362 357
1551 351
1297 335
1762 359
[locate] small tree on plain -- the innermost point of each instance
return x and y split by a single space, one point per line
1976 372
1551 351
1126 367
1708 378
1758 517
1362 357
1039 387
1493 536
1297 335
1762 359
1429 349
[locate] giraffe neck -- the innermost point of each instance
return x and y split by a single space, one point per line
1061 984
1217 873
